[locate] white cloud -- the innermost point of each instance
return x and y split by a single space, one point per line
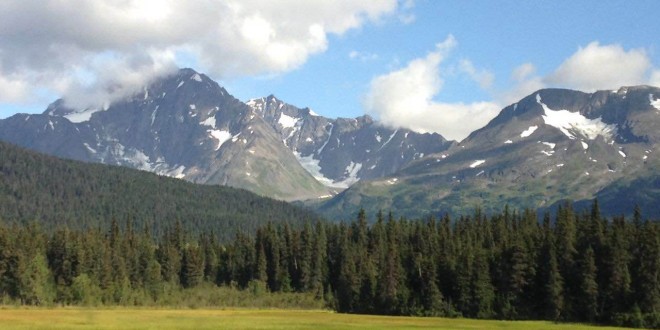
525 81
483 77
523 71
405 98
44 43
594 67
13 90
598 67
407 17
655 78
362 56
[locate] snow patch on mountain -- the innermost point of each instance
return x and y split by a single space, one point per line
654 103
92 150
573 123
287 121
388 140
477 163
197 77
585 146
351 175
137 159
153 115
220 136
318 152
256 105
210 121
528 131
175 173
84 115
313 167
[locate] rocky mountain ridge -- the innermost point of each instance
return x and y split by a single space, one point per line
187 126
551 146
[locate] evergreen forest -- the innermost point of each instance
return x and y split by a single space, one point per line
56 193
572 267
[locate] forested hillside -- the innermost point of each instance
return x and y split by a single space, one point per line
577 267
57 193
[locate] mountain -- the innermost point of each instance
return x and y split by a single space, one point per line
186 126
340 152
553 145
56 192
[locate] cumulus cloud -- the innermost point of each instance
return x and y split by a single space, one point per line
52 43
597 67
591 68
405 98
13 90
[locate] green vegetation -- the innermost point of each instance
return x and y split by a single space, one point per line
74 234
137 318
60 193
574 268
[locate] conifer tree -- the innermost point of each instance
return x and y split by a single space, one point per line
617 278
647 279
192 270
319 265
588 291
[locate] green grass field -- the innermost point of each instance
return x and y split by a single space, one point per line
125 318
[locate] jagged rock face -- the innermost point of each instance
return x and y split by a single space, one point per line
186 126
552 145
343 151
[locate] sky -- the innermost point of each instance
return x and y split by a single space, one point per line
431 66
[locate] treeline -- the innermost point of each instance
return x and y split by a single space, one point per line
57 193
577 267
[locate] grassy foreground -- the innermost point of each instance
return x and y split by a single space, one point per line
125 318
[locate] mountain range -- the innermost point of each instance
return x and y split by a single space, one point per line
551 146
186 126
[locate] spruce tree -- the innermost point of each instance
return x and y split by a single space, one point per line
587 296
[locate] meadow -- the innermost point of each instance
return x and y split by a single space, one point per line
140 318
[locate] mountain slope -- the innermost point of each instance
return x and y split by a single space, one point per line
56 192
340 152
552 145
184 125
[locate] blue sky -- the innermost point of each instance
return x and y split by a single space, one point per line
425 65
